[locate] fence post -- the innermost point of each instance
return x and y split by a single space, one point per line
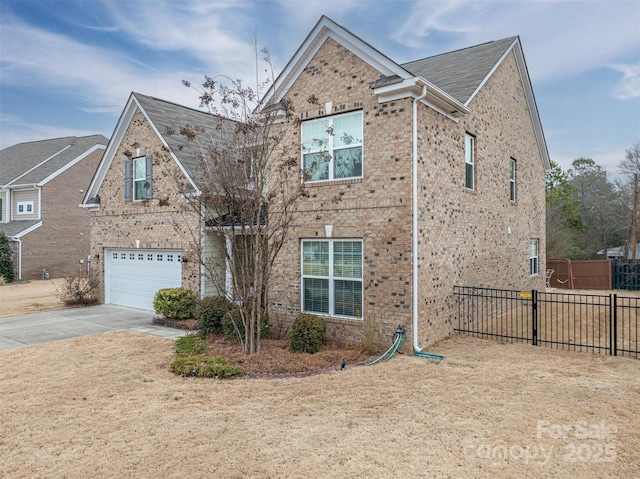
615 325
534 317
612 299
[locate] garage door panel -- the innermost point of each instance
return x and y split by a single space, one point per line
132 277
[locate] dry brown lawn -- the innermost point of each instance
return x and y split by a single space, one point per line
107 406
32 297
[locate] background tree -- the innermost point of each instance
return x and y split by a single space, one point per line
7 267
563 222
630 191
250 183
599 207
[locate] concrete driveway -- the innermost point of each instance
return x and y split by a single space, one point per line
17 331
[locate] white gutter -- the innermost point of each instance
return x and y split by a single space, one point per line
414 245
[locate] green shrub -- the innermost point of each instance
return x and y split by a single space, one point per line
175 303
204 367
210 312
233 327
7 267
190 345
307 333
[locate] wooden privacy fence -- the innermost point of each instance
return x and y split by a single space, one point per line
589 274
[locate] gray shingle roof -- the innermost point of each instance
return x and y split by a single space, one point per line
12 228
32 162
461 72
169 118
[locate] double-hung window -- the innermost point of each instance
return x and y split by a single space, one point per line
512 180
138 178
469 162
533 257
332 147
332 277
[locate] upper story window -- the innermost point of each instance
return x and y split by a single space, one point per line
138 178
25 207
469 161
512 179
332 147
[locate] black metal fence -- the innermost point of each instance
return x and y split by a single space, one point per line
625 274
604 324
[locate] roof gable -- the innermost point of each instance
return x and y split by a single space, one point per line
451 79
462 72
166 119
39 161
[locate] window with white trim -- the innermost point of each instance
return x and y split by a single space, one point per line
512 179
139 177
332 147
332 277
469 161
533 257
25 207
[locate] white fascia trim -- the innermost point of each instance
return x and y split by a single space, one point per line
38 165
436 99
533 107
324 29
107 158
166 145
516 47
27 231
72 163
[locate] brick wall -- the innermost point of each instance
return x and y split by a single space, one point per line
464 237
166 221
64 237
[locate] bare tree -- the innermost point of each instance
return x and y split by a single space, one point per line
630 169
250 183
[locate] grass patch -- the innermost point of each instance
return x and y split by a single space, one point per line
192 360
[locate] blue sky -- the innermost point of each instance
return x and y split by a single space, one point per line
68 67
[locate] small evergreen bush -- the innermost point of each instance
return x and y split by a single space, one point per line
7 268
210 312
175 303
190 345
204 367
307 333
233 327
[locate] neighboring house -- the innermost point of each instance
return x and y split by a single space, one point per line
145 233
620 252
435 178
41 185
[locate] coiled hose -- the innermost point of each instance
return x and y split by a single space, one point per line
396 344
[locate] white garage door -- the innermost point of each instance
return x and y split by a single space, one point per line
132 277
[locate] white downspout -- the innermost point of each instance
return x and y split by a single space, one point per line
414 245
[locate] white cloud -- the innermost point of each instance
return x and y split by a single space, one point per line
16 130
560 38
628 87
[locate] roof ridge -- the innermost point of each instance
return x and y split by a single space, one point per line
196 110
513 37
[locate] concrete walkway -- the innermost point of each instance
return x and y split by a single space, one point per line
17 331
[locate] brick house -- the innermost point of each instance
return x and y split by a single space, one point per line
434 178
41 185
145 232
